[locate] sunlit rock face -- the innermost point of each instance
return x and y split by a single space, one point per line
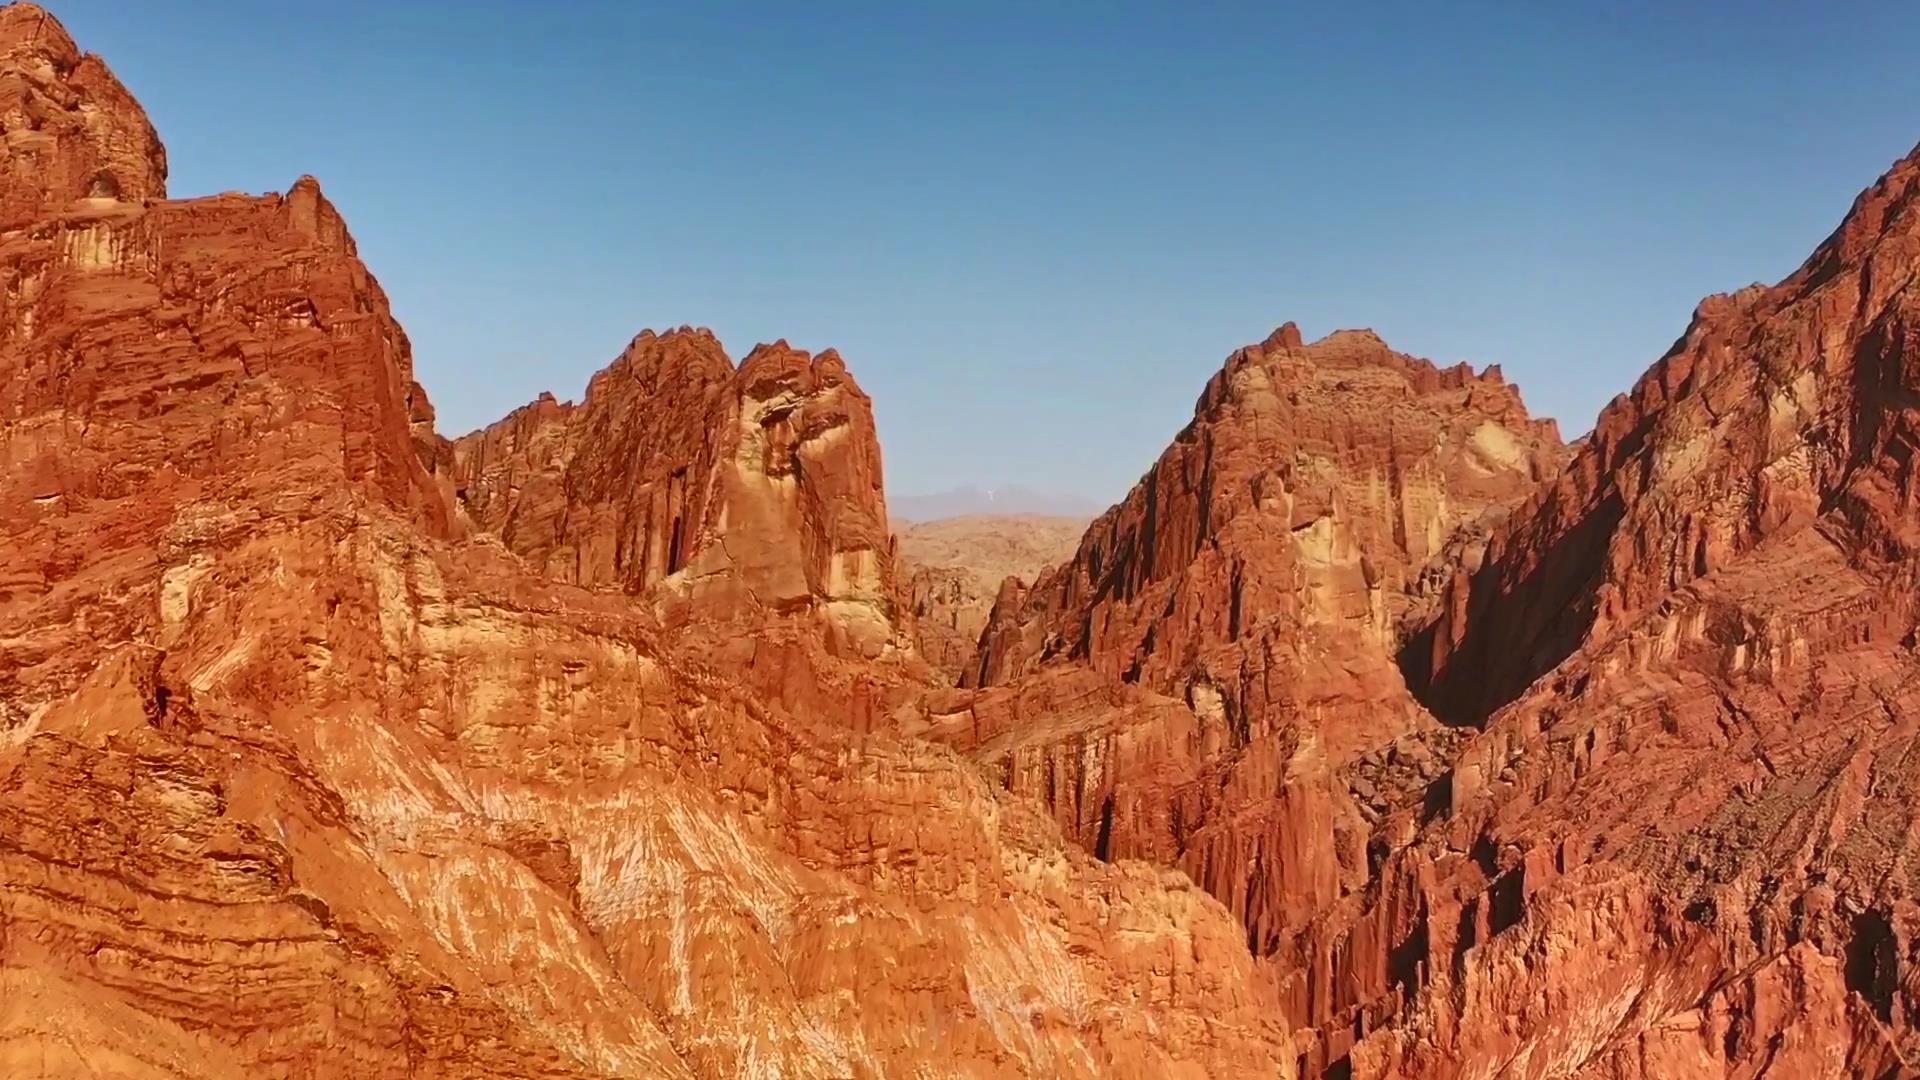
702 483
73 134
331 749
1681 843
1211 681
1658 819
1373 735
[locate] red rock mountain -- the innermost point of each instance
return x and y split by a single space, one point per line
1313 487
72 131
1683 843
1669 830
306 772
1259 577
596 743
706 483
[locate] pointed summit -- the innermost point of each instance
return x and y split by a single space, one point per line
314 216
29 29
1286 337
716 490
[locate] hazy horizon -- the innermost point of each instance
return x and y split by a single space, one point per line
1034 235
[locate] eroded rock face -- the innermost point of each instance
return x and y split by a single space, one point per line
71 131
297 779
1682 844
1669 832
702 484
1773 407
1250 595
329 748
1312 487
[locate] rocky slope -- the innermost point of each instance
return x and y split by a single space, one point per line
955 568
1314 485
1683 843
596 743
333 749
1670 831
1244 604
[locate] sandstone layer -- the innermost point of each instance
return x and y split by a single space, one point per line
1245 603
709 484
1683 843
597 743
331 749
1668 827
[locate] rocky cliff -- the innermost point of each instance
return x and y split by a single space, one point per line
1666 829
1313 487
594 744
1682 844
324 752
72 131
1247 600
705 483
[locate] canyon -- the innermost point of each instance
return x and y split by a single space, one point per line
1375 733
955 568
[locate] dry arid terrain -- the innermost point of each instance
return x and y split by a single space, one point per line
1376 733
956 566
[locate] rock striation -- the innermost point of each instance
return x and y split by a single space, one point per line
1373 735
1314 485
331 749
1666 827
706 484
71 131
1248 598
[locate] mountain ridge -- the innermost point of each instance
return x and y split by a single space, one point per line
1374 733
307 773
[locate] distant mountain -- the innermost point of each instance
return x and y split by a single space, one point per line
1013 499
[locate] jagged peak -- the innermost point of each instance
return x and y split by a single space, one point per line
684 330
314 216
1362 336
1357 349
690 337
693 356
30 28
776 347
1865 225
682 340
1286 336
766 352
656 357
1777 407
771 367
1875 249
828 363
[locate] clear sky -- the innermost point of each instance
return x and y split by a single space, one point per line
1035 229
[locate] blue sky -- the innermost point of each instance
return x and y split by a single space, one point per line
1035 230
